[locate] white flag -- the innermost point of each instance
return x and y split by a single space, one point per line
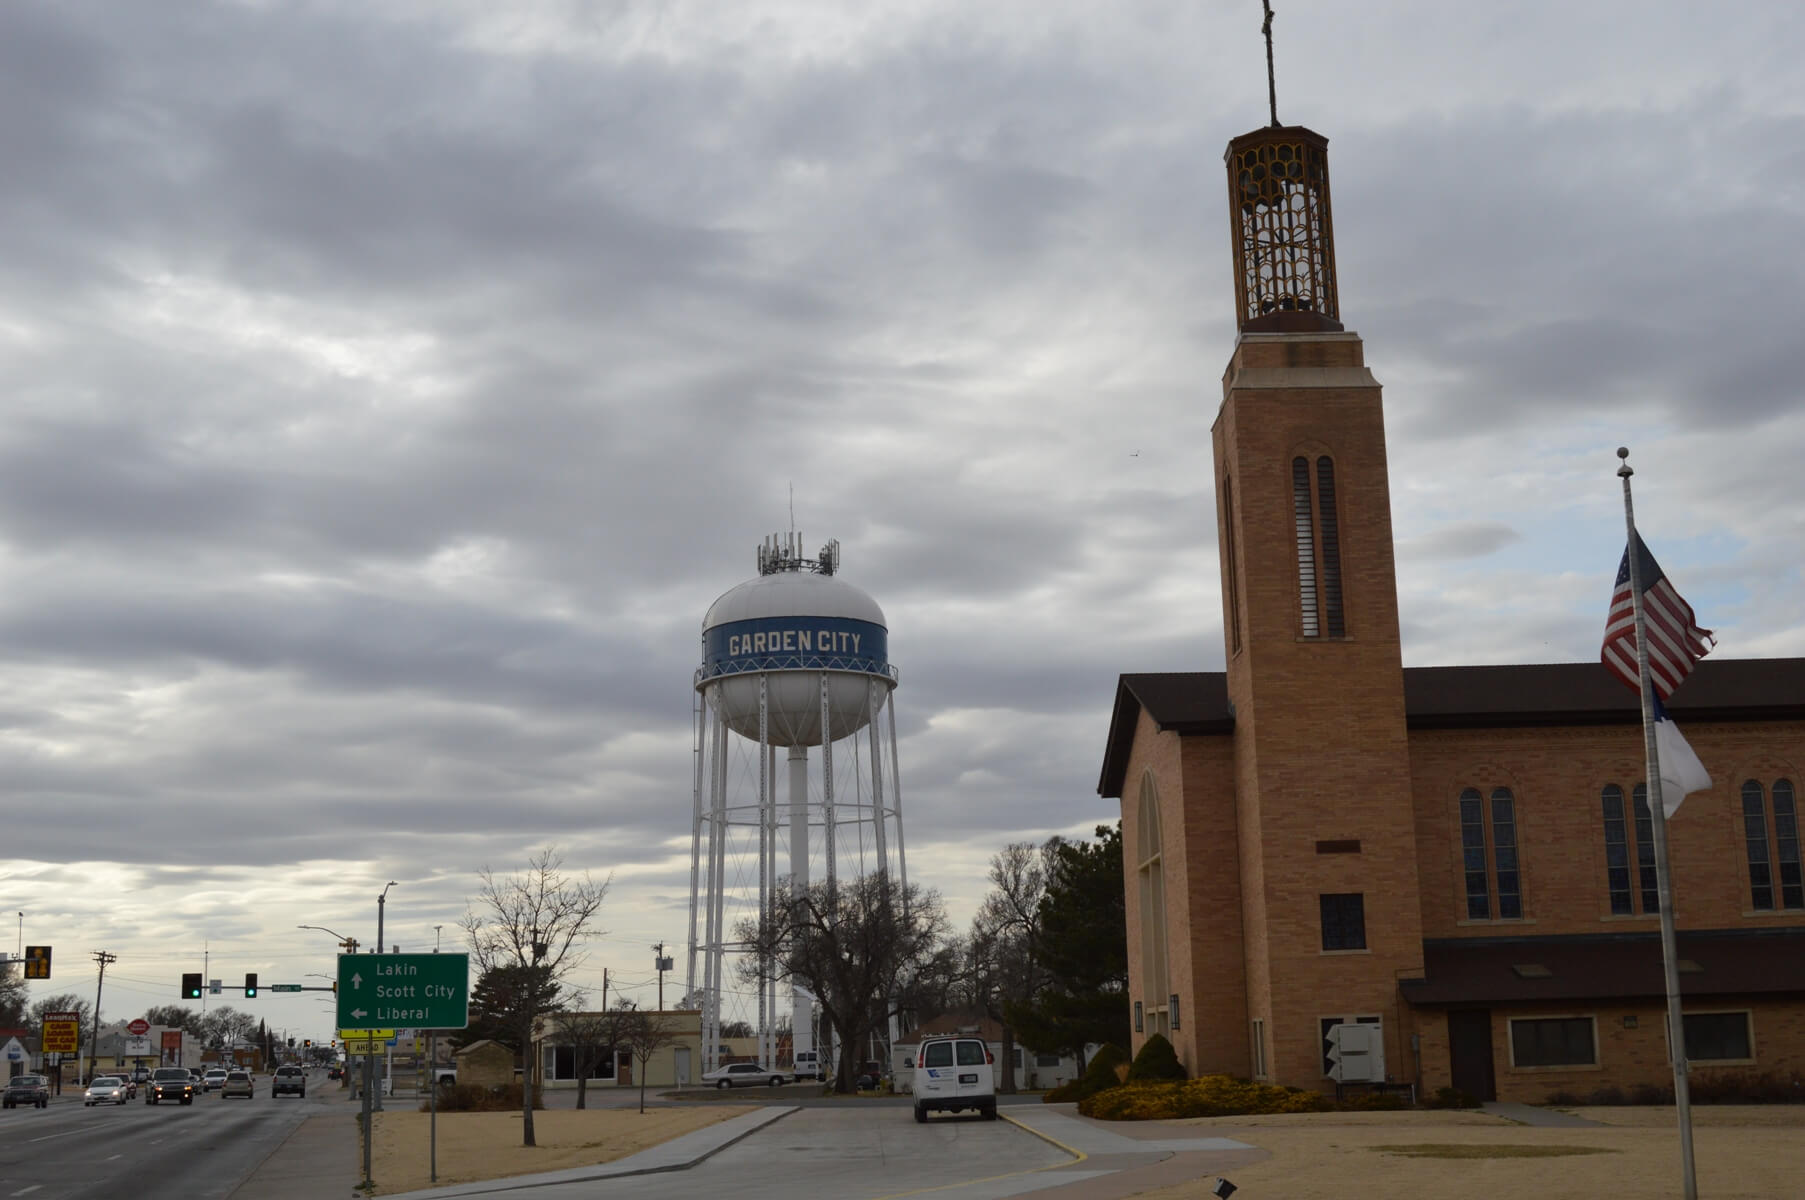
1681 771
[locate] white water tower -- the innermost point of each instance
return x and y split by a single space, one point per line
795 660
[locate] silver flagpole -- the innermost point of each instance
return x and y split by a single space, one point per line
1670 957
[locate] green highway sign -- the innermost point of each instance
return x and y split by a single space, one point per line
385 991
284 987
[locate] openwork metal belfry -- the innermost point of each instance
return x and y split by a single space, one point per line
1284 237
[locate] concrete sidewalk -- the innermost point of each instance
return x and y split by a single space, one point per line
322 1158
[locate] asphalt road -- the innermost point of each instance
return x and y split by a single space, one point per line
164 1151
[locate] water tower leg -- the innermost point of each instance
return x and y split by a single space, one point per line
830 833
766 803
902 862
802 1031
695 841
873 704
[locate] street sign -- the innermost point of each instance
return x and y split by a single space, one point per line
138 1027
62 1033
391 990
284 987
364 1035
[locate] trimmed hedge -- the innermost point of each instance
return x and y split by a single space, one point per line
1156 1061
1208 1096
474 1097
1706 1087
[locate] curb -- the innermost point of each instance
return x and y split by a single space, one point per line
1049 1139
620 1169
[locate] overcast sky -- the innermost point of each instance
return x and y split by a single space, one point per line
390 387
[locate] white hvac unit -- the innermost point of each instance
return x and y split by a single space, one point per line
1357 1053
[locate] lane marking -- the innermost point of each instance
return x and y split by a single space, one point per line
27 1191
64 1133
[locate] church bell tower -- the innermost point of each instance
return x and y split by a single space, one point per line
1327 853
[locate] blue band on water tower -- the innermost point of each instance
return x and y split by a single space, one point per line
796 644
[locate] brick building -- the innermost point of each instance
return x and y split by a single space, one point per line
1459 855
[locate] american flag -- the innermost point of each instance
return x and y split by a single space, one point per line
1675 642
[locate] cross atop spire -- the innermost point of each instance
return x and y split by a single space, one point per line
1272 87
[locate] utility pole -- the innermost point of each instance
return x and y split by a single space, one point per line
604 989
103 958
659 963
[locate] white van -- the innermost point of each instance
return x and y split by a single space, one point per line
809 1065
952 1074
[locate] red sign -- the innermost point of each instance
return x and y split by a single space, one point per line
138 1028
172 1040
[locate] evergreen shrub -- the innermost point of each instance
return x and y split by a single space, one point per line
1102 1072
1156 1061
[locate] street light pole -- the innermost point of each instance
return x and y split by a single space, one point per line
380 901
375 1097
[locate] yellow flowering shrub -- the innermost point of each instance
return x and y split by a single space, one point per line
1209 1096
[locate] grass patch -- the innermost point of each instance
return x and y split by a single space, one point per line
1468 1150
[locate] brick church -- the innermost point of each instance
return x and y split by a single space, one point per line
1458 856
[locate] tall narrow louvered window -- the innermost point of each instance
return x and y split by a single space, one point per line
1306 545
1318 548
1234 572
1331 547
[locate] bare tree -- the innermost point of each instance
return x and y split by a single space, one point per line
641 1034
1005 940
591 1036
528 928
855 944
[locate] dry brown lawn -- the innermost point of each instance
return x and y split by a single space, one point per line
1741 1153
478 1146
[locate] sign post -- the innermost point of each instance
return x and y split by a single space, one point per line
381 993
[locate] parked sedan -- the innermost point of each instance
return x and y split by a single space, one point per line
105 1089
23 1090
742 1075
238 1083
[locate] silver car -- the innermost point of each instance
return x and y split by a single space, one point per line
742 1075
106 1089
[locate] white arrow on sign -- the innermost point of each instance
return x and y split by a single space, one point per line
358 1013
357 980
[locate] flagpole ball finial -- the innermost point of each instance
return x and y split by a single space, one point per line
1623 452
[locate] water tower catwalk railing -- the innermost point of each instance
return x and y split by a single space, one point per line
807 680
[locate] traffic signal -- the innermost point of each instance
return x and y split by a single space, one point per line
307 1043
37 962
291 1043
191 986
335 987
250 983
